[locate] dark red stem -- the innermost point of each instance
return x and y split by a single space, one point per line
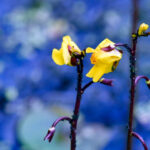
51 130
139 78
86 86
125 46
102 81
61 119
135 15
132 93
140 139
77 106
132 73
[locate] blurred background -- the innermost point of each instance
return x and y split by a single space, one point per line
34 91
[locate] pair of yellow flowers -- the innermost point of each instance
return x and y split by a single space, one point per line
104 61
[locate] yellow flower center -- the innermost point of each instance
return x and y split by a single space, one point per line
69 49
72 49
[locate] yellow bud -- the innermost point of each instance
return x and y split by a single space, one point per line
143 27
148 82
134 35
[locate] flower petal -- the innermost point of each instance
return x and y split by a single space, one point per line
104 61
105 43
110 57
97 72
91 73
67 39
74 48
65 52
57 57
90 50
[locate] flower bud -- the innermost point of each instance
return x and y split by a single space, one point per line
148 83
143 77
108 48
143 27
106 81
50 134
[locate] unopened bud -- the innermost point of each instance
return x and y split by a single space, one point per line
106 81
143 77
50 134
143 27
148 83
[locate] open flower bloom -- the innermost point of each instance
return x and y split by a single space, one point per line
143 27
104 61
63 56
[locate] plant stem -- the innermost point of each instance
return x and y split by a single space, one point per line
77 106
132 92
61 119
132 73
140 139
102 81
87 85
135 15
139 78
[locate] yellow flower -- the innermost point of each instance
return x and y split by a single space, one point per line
104 61
143 27
63 56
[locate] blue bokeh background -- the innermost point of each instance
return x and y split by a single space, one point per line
34 91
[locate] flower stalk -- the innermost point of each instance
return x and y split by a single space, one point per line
77 105
142 77
51 130
132 92
140 139
61 119
102 81
132 73
134 81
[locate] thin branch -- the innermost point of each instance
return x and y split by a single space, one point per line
102 81
146 34
139 78
61 119
140 139
86 86
129 49
51 130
